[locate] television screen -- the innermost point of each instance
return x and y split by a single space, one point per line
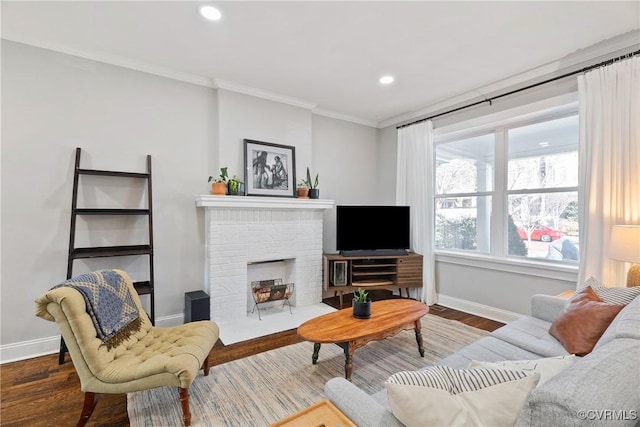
373 230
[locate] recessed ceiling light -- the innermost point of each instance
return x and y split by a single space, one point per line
543 144
385 80
210 13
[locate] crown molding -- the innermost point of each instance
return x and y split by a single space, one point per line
345 117
272 96
183 77
113 60
259 93
624 41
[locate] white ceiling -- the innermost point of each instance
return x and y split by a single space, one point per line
326 55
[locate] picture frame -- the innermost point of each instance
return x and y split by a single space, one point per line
269 169
339 276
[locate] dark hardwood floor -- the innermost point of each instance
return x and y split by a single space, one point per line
39 392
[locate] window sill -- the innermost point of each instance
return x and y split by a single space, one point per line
548 270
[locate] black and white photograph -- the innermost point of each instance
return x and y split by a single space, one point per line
269 169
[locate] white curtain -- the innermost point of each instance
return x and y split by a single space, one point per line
609 164
414 187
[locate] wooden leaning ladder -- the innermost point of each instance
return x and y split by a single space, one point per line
142 287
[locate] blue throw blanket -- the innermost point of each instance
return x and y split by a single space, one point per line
109 303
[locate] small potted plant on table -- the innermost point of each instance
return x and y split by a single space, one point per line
361 304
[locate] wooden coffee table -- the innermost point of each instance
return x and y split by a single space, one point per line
388 317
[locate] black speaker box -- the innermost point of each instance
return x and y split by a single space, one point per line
196 306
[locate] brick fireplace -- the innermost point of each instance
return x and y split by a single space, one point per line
243 232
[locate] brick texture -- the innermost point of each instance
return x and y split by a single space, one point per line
239 237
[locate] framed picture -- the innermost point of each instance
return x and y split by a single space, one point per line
269 169
339 273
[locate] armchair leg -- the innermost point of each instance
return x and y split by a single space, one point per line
205 366
184 401
87 409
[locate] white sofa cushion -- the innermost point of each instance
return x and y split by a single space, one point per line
441 395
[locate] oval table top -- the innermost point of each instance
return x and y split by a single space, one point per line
341 326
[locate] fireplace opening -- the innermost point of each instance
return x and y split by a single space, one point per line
270 286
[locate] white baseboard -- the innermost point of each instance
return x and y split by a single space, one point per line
29 349
482 310
168 321
50 345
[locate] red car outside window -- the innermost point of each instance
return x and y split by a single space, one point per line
542 233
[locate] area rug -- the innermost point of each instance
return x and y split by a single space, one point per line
264 388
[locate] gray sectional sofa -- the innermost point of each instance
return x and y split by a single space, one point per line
601 388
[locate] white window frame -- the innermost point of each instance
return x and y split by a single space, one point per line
499 123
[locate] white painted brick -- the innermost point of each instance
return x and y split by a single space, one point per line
237 237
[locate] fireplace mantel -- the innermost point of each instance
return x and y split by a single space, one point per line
253 202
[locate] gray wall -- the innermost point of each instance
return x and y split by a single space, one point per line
345 156
387 159
53 103
243 116
495 291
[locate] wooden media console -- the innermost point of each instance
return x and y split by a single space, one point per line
375 272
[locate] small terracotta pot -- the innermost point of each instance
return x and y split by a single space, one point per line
303 192
219 188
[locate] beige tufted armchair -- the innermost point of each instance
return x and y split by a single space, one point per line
152 357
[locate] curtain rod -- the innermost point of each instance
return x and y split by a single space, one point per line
490 100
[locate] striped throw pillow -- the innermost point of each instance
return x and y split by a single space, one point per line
456 381
611 295
591 281
618 296
547 367
440 395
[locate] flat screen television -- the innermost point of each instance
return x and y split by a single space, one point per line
373 230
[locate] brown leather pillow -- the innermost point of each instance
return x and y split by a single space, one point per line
582 322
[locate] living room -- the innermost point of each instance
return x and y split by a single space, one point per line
58 95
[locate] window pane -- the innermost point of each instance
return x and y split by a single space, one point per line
544 225
463 223
465 166
544 155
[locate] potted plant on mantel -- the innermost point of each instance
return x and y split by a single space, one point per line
303 190
219 185
361 304
314 191
235 187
